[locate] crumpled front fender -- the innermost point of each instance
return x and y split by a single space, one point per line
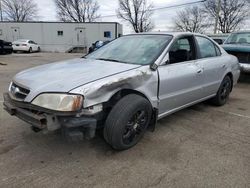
142 80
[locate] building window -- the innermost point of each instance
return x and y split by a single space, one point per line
107 34
59 33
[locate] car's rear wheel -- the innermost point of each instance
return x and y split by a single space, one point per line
223 93
127 122
38 49
30 50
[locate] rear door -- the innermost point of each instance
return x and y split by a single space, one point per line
213 64
181 78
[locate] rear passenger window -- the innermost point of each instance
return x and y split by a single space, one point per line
206 47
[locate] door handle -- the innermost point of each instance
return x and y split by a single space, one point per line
224 65
199 71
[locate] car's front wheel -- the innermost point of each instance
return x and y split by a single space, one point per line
223 93
127 122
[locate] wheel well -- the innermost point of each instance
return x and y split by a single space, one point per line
120 94
231 78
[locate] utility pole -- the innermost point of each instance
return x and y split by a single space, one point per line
217 16
1 12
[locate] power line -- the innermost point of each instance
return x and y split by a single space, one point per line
162 8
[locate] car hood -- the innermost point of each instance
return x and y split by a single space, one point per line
236 47
67 75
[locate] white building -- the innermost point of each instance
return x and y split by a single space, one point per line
60 36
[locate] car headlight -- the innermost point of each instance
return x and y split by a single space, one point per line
59 102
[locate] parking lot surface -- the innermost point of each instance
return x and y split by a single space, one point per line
202 146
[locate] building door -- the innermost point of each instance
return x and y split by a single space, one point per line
80 36
15 33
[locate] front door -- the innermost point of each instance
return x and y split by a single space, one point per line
181 78
15 31
80 36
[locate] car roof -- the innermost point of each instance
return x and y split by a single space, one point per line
174 34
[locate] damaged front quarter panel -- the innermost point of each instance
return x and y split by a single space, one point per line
141 79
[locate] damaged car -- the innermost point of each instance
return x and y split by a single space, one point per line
123 88
238 44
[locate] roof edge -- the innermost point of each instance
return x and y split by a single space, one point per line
61 22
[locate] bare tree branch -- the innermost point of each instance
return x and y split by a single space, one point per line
77 10
138 13
232 15
19 10
191 20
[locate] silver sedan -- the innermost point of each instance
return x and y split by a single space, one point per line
124 87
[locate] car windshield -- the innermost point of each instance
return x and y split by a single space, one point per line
133 49
21 40
238 38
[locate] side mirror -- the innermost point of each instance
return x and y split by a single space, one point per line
153 67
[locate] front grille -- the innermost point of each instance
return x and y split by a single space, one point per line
243 57
18 92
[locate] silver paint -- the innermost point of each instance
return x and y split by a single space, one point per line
180 84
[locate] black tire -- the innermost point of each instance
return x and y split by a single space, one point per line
127 122
223 93
30 50
38 49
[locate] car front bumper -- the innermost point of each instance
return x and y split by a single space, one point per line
71 123
245 67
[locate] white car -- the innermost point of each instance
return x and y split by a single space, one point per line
25 45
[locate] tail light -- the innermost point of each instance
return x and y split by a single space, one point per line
24 44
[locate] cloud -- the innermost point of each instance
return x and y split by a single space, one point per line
162 18
46 10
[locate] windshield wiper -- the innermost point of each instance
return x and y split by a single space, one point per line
113 60
107 59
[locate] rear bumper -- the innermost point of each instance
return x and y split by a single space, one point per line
20 48
245 67
6 49
50 121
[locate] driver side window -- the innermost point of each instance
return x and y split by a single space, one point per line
182 50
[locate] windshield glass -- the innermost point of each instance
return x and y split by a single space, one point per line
133 49
238 38
21 40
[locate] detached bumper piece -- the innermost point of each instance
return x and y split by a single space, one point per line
73 127
78 128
